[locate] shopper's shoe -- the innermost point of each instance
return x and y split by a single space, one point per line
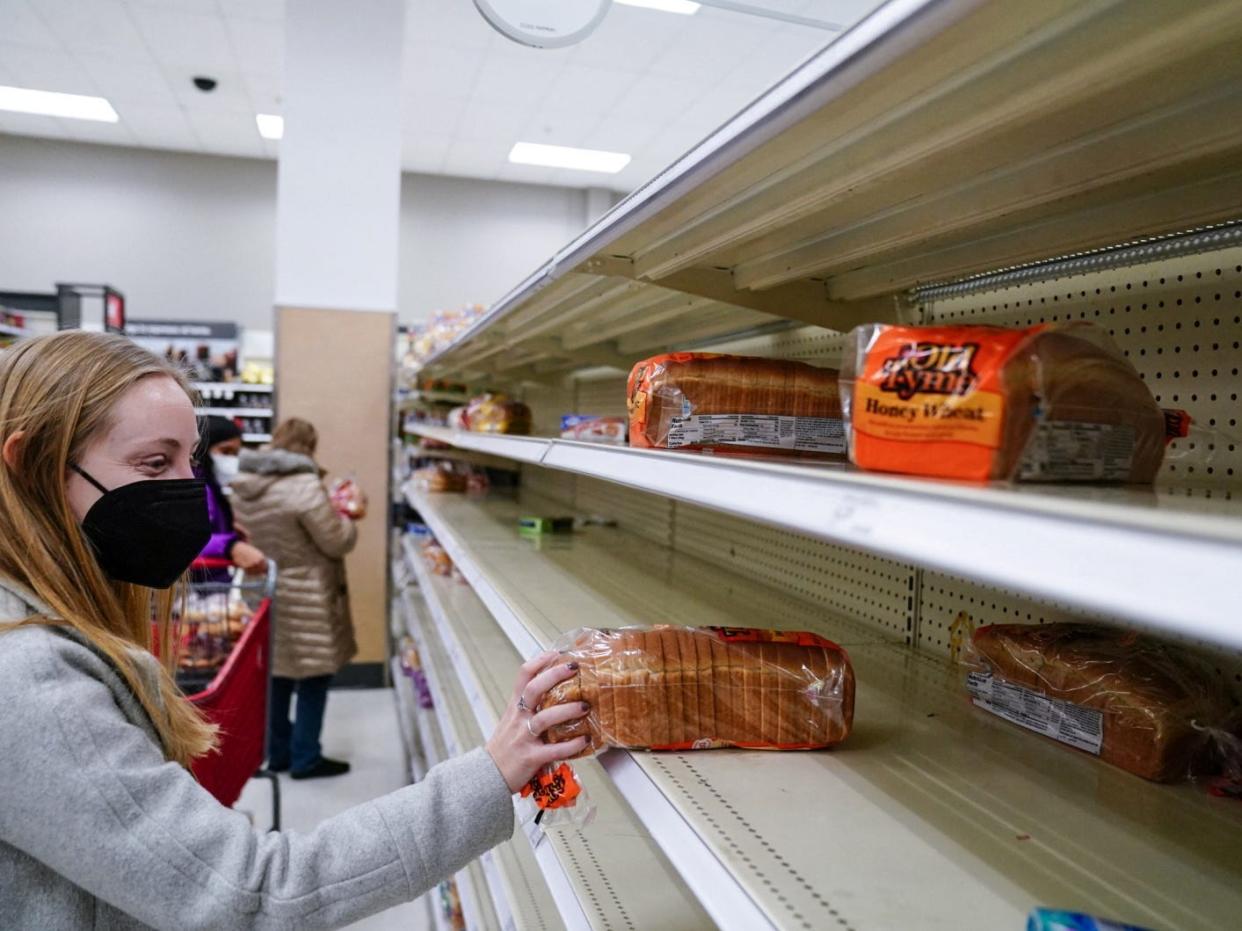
321 770
281 767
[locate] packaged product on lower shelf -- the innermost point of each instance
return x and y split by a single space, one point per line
696 688
496 413
1052 403
705 401
588 428
1133 701
440 477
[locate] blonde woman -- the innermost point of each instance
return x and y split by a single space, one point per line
101 823
279 495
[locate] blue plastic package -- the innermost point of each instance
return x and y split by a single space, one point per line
1050 919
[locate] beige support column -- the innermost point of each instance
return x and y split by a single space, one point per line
338 205
334 371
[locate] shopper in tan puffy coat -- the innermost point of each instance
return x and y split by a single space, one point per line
279 496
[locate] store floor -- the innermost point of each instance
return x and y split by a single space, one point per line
361 727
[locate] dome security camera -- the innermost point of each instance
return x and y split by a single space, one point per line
206 85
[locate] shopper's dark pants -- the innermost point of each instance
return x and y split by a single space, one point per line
296 744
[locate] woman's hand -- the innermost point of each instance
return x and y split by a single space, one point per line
516 746
248 557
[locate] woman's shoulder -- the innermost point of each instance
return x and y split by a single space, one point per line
47 651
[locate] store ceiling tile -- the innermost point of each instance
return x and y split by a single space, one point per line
272 11
193 42
646 83
19 24
45 70
93 131
258 45
164 127
28 124
138 81
94 26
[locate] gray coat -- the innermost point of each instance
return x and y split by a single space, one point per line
280 499
98 830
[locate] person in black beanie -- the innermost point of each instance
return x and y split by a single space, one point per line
217 466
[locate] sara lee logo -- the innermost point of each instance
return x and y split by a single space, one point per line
930 368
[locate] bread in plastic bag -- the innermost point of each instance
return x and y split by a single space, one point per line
735 404
1133 701
695 688
1050 403
496 413
442 476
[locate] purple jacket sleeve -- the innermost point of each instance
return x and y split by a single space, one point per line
222 534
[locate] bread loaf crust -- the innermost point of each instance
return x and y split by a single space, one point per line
678 384
669 687
1150 697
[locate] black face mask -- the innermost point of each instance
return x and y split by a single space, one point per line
148 533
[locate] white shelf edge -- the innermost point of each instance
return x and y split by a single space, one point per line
562 890
1171 573
256 437
711 881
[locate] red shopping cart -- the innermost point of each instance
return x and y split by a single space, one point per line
225 668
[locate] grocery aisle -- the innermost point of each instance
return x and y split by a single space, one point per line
361 727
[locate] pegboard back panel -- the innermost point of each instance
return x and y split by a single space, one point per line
950 607
1177 319
878 593
547 403
602 397
645 515
557 487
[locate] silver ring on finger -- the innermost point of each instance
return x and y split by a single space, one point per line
530 727
522 706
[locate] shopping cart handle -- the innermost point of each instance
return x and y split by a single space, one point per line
211 563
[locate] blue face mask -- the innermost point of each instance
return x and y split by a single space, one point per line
148 532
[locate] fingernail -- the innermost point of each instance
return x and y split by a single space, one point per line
586 706
573 667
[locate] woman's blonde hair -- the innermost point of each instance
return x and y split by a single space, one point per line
59 392
297 436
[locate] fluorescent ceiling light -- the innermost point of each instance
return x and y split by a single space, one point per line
559 156
684 7
270 125
51 103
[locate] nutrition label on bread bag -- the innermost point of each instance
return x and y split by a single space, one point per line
1061 720
1061 451
774 431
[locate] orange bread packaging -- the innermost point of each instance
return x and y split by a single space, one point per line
735 404
1052 403
695 688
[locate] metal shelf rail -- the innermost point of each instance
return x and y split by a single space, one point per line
1159 559
973 805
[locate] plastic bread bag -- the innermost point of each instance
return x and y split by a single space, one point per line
441 477
1133 701
735 404
556 798
1052 403
496 413
588 428
695 688
347 498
